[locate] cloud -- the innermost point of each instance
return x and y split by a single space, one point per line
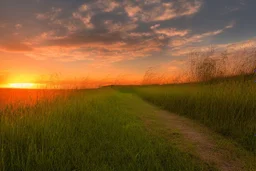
18 26
140 34
181 46
239 5
58 53
231 25
193 39
120 27
51 15
171 32
99 45
15 46
197 37
111 42
83 8
232 9
86 11
132 10
86 20
109 30
155 26
82 19
187 50
99 6
251 43
107 54
44 36
108 5
162 11
150 2
41 16
230 47
86 38
189 8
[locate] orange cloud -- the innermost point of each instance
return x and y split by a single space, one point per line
99 6
116 40
132 10
84 19
163 11
83 8
108 5
18 26
155 26
140 34
230 47
86 11
15 47
108 47
120 27
51 15
197 38
171 32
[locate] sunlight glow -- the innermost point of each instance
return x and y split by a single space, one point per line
23 85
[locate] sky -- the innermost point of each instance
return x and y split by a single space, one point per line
72 40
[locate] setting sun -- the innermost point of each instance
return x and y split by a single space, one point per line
22 85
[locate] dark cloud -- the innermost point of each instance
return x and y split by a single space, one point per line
85 37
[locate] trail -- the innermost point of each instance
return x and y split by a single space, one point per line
192 138
197 138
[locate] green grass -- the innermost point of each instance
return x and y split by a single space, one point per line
89 130
228 107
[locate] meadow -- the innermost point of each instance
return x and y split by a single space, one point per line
227 105
120 127
85 130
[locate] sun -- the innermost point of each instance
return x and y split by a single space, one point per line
22 85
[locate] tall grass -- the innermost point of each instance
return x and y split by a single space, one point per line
204 65
228 107
211 64
89 130
220 91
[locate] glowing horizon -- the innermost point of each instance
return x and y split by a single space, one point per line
23 85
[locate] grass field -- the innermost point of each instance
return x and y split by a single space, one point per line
114 129
227 107
86 130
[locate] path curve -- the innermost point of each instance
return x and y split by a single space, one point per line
197 135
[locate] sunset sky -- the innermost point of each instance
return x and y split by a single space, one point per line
101 39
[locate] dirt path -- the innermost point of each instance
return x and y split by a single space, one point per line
197 140
193 138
